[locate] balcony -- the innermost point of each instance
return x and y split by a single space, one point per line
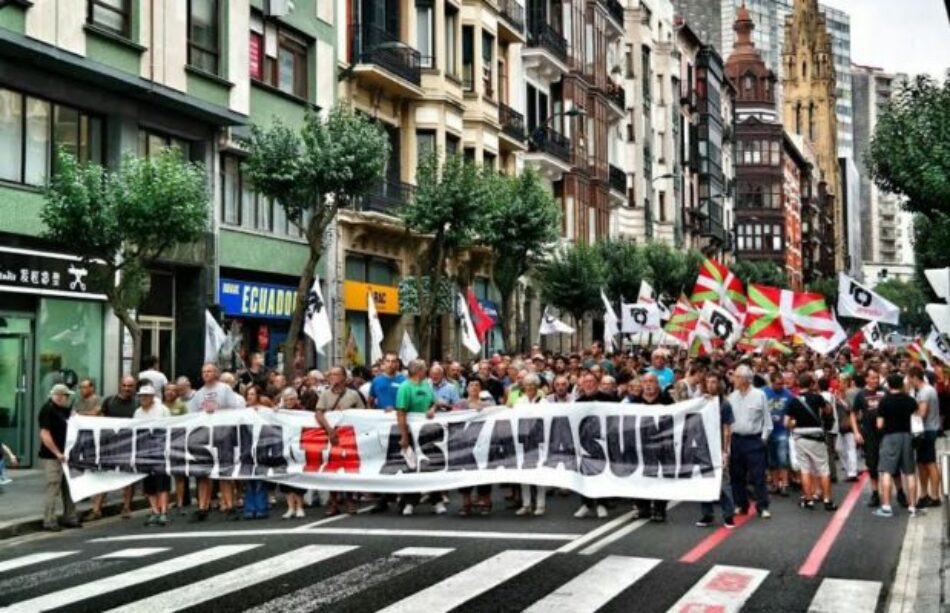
511 24
380 57
549 152
512 123
617 96
387 197
545 51
618 179
615 10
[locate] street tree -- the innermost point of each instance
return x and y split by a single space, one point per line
669 272
909 298
448 208
624 268
327 166
125 219
571 280
762 273
522 225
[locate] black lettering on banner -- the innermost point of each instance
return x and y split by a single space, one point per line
177 456
625 457
695 448
224 440
594 459
201 461
246 444
561 449
270 451
462 439
432 457
501 446
82 455
395 462
115 450
530 435
150 450
656 436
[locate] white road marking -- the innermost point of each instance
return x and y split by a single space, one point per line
595 533
453 534
833 593
121 581
327 592
238 579
134 552
469 583
33 558
903 590
52 573
723 589
596 586
619 534
329 520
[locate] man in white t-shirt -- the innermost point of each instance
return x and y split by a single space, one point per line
153 375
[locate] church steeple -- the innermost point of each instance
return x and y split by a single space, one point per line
754 82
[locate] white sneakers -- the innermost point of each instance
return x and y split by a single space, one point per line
288 515
523 511
407 510
299 514
601 511
582 512
539 512
440 508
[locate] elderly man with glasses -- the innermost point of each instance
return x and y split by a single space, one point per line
750 431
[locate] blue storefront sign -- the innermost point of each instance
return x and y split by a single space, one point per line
259 300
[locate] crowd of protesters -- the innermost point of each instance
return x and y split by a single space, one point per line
788 423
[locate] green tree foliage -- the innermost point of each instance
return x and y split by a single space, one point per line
672 271
624 268
908 296
522 226
127 218
449 207
909 154
329 164
828 287
571 280
762 273
931 246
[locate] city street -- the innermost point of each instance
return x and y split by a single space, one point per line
798 560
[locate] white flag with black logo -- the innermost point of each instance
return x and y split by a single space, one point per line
375 331
469 339
872 335
316 323
552 325
858 301
215 337
648 295
939 279
639 317
718 325
939 346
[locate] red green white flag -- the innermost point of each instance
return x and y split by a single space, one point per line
683 321
780 313
717 284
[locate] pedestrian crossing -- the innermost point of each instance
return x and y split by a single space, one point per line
259 577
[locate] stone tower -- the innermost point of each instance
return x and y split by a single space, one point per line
808 107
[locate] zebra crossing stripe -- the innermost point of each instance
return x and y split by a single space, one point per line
724 589
463 586
33 558
596 586
134 552
124 580
860 596
237 579
325 593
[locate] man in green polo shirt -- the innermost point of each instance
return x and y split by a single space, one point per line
415 395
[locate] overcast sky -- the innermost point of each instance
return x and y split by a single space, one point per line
909 36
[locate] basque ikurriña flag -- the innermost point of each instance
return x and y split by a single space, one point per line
780 313
682 324
717 284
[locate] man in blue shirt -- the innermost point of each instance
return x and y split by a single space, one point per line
778 398
658 367
446 394
382 391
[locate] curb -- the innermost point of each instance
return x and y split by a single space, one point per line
34 524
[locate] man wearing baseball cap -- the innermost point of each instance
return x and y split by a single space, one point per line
52 420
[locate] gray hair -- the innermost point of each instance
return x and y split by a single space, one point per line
287 392
416 366
531 379
744 371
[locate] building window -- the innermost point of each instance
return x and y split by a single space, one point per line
152 143
256 49
661 197
111 15
203 47
488 160
31 131
468 58
245 208
451 144
425 144
451 42
425 33
291 68
287 70
488 53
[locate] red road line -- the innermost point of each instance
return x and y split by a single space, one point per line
818 553
716 538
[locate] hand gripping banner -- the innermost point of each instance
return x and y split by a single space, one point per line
597 449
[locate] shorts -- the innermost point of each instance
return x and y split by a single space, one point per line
156 484
926 447
778 455
812 456
872 446
897 454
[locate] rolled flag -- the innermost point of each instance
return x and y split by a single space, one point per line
215 337
859 301
316 323
375 331
407 351
939 346
639 317
552 325
469 338
611 323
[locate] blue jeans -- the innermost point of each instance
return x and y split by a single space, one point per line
255 499
748 460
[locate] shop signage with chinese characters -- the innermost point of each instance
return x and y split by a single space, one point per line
258 300
386 297
52 274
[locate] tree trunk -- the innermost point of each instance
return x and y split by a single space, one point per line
507 329
315 241
427 304
135 331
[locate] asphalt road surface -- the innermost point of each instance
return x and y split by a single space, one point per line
798 560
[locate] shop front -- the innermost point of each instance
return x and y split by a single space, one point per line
51 331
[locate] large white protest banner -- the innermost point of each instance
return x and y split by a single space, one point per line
597 449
